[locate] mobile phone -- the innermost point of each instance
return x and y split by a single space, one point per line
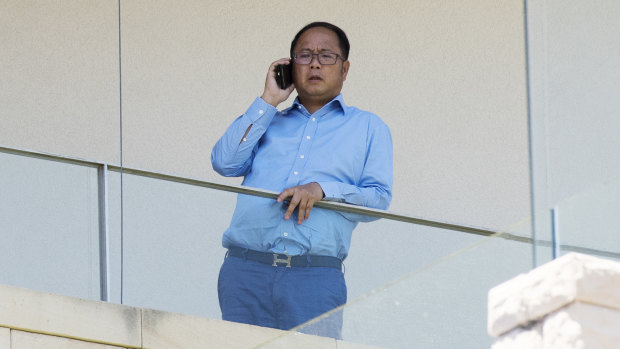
284 75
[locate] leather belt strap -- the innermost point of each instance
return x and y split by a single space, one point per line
285 260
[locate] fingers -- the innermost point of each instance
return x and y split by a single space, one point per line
281 61
304 205
309 205
302 199
273 94
295 201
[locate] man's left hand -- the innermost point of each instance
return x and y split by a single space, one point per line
303 196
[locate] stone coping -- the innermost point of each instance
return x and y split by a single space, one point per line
26 311
63 316
571 278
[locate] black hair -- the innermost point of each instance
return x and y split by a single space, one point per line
342 37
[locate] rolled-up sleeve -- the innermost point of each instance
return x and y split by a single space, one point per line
233 153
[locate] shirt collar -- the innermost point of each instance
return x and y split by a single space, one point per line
338 101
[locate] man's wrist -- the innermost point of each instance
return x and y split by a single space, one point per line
270 100
322 195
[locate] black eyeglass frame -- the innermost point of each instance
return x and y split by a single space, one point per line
318 57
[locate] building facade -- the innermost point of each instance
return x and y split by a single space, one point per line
503 115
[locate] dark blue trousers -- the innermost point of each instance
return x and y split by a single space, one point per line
279 297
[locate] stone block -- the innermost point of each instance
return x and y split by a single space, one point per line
521 337
581 325
572 277
69 317
162 330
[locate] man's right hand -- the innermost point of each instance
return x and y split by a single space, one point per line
273 94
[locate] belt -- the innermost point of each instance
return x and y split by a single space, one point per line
285 260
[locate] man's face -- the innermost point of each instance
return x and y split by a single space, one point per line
315 82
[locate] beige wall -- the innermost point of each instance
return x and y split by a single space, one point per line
59 77
447 76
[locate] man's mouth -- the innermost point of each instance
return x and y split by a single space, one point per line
315 78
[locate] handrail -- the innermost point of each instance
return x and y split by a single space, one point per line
323 204
263 193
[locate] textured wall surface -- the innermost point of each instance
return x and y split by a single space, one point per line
447 77
60 81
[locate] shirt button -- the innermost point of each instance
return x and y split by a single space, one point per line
295 173
299 107
261 112
301 156
307 137
313 119
285 234
245 139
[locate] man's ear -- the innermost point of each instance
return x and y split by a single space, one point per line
345 69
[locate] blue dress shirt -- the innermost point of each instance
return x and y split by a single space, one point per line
347 151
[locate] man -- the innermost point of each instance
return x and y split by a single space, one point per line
284 260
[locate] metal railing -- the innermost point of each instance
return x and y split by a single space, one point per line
102 183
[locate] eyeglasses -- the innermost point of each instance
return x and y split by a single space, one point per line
325 58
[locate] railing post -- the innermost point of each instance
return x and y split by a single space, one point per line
104 261
555 232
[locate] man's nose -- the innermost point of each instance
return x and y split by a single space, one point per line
314 61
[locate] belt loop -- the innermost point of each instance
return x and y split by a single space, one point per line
308 260
244 253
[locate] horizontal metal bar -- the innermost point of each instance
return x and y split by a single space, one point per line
50 157
323 204
262 193
590 251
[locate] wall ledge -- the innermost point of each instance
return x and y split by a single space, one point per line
55 321
581 292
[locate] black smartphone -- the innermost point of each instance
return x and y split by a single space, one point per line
284 75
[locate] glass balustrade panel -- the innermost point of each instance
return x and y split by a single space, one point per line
439 302
168 253
49 226
590 222
406 283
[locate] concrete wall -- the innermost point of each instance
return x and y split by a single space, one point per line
571 302
35 320
448 77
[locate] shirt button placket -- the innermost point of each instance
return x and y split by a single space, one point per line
310 129
303 149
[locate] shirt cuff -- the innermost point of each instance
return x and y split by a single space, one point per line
331 191
261 112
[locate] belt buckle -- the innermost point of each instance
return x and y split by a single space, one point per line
277 260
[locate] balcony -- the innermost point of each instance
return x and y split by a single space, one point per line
151 240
